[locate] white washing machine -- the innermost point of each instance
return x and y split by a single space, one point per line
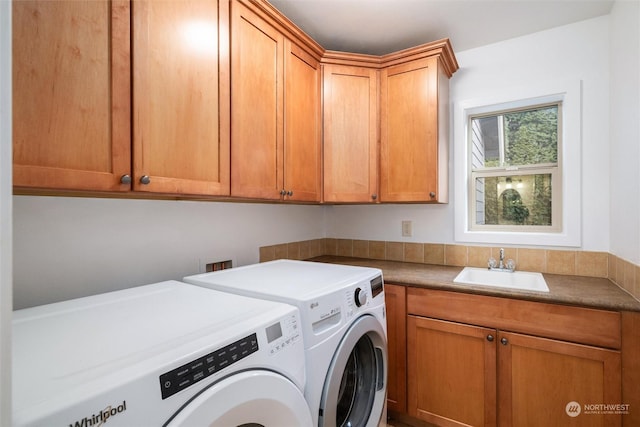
167 354
344 331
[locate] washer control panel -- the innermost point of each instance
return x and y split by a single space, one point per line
190 373
377 286
362 295
282 334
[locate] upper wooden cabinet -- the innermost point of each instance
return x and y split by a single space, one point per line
71 94
302 125
414 132
219 98
350 98
386 125
73 98
257 60
275 112
181 97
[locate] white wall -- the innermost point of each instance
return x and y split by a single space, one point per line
573 52
70 247
5 213
625 130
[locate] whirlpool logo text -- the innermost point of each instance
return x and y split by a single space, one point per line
96 420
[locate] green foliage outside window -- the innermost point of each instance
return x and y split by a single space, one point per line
516 139
531 137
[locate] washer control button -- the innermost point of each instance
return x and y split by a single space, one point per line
361 297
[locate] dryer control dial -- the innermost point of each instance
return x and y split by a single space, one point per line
361 297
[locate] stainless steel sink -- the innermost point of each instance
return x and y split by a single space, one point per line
519 280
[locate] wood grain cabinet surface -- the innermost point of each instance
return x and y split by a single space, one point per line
396 308
71 94
451 372
181 97
76 101
275 113
386 123
302 126
539 378
350 103
414 132
476 360
220 98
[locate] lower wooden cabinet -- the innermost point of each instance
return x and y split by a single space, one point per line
475 360
396 307
540 379
469 375
451 372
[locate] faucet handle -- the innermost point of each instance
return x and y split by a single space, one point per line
511 264
492 263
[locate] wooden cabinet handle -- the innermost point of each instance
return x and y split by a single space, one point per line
490 338
504 341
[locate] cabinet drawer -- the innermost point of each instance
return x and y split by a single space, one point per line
576 324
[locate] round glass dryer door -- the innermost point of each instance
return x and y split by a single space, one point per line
355 387
254 398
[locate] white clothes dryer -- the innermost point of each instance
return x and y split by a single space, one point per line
167 354
344 331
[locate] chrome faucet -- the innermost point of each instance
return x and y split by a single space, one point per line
509 266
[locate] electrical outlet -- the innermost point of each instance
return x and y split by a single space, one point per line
407 228
218 265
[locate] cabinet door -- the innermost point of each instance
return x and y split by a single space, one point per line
409 157
396 306
302 126
71 94
451 372
257 59
540 378
180 81
350 134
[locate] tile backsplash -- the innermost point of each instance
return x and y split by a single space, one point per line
579 263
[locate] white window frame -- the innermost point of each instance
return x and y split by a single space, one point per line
569 232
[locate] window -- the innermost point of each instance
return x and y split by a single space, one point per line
517 166
515 173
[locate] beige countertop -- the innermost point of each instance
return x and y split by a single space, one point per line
581 291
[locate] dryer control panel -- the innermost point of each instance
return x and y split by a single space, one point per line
190 373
